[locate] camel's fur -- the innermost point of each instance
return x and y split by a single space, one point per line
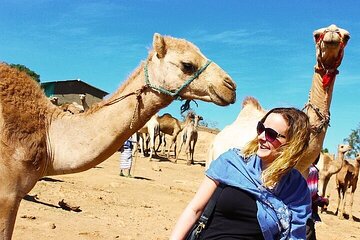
346 183
329 166
330 43
189 138
38 139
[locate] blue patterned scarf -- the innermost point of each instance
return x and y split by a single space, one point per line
282 212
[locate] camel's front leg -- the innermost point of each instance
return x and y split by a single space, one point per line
9 205
172 142
351 205
178 153
342 205
322 188
338 200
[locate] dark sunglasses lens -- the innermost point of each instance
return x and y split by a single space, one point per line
270 134
260 128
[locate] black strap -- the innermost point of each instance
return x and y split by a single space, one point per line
210 205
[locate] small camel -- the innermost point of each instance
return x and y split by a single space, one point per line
38 139
54 100
84 104
330 43
329 166
189 138
73 108
346 183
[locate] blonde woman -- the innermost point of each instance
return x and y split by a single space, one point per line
263 196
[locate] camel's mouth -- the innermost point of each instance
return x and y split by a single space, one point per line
224 96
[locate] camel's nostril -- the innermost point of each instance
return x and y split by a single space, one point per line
230 83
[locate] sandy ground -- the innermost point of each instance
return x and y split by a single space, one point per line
144 207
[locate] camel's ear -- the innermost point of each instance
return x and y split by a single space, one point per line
346 36
159 45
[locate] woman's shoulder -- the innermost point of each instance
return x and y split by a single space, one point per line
293 180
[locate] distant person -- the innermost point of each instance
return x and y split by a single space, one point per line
264 196
316 200
126 157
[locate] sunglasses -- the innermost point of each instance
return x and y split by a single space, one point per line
270 134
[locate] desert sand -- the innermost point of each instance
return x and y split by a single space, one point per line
107 206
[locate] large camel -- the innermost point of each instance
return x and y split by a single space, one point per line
346 183
330 43
38 139
329 166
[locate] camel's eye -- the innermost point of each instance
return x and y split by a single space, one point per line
188 68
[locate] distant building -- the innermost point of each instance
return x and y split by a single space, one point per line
68 91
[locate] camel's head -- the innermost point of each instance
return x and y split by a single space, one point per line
343 148
54 100
184 69
82 96
330 44
198 118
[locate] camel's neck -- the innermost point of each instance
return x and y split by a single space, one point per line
318 110
84 104
79 142
320 97
339 161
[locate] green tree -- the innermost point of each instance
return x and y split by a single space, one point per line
29 72
354 141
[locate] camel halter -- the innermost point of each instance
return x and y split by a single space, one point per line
175 93
158 89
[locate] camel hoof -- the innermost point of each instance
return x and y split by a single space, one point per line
189 163
341 217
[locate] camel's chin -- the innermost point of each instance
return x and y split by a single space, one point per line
222 97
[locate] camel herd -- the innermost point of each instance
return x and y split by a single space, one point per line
168 127
35 132
73 107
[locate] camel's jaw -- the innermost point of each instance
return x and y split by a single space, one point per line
225 95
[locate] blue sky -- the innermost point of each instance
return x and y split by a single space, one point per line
266 46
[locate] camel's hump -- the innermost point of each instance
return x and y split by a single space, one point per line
253 101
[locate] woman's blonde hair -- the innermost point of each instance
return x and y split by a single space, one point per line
298 135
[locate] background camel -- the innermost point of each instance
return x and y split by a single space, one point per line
330 43
170 126
54 100
84 104
38 139
346 183
148 134
73 108
189 138
328 165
